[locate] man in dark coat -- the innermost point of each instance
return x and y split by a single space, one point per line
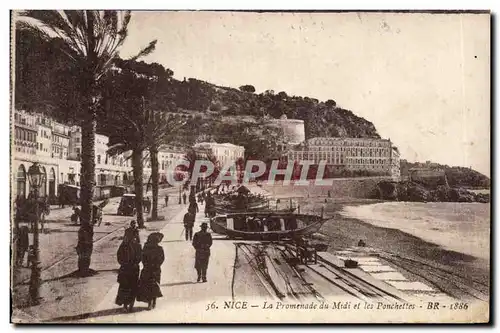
193 207
210 206
189 218
202 241
184 197
166 200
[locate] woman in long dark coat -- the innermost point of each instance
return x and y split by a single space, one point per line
129 256
152 258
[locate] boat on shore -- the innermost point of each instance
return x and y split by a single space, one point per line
266 226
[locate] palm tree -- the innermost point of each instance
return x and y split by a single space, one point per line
161 129
191 156
91 40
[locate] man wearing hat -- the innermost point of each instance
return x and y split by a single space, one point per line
202 241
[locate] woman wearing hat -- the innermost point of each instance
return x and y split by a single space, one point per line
152 258
129 256
202 241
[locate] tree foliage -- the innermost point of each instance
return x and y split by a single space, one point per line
248 88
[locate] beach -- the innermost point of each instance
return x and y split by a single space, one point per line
411 234
461 227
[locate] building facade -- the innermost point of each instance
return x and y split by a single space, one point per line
225 153
60 140
57 148
378 156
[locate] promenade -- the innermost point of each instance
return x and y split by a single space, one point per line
182 295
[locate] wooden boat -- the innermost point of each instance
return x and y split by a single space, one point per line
264 209
266 226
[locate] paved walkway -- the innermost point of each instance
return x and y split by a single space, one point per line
184 300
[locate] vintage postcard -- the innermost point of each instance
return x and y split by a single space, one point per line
250 167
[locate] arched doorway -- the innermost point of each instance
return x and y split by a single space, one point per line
43 187
125 178
52 183
21 181
117 180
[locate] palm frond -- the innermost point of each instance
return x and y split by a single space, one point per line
147 50
34 30
77 19
110 19
50 19
116 149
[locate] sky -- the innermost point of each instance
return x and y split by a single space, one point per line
422 79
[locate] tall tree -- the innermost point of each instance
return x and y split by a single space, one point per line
91 40
161 130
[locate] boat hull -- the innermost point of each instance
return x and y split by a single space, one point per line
310 225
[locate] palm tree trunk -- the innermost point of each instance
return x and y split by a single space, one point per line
138 184
153 151
85 234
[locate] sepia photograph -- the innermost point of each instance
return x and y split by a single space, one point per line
323 167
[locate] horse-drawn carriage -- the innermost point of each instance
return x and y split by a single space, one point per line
26 211
96 213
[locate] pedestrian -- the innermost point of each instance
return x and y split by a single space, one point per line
189 219
75 217
31 256
202 241
149 282
129 256
208 202
23 243
147 205
193 207
184 197
166 200
61 199
134 230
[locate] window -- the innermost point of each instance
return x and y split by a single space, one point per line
98 159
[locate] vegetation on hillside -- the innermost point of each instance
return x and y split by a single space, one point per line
456 176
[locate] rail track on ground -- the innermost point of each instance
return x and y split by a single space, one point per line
447 281
284 279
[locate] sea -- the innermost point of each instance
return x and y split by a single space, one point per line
461 227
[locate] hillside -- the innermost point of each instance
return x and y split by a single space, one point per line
456 176
47 82
320 118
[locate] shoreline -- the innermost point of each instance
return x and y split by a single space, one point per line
344 232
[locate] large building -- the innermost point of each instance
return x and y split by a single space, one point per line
293 130
225 153
354 154
168 159
58 147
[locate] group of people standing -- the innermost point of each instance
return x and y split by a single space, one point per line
143 287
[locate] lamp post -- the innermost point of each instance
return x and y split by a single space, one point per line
36 178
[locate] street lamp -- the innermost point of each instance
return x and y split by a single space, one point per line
36 178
